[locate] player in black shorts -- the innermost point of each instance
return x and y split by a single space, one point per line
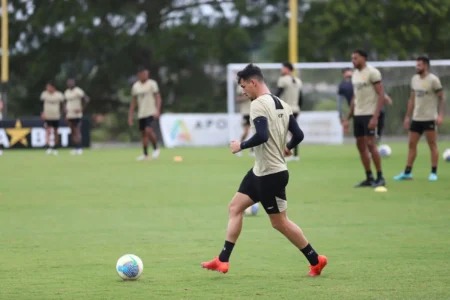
266 182
365 109
426 106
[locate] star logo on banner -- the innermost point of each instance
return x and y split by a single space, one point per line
18 134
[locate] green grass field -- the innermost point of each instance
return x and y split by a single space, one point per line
66 220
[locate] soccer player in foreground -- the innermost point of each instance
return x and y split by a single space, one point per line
76 102
266 182
366 105
52 106
146 95
290 90
426 105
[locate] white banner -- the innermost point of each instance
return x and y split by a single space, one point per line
196 129
321 127
213 129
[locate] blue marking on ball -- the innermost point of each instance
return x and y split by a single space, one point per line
130 269
255 208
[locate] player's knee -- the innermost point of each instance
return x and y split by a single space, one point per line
279 224
234 209
433 146
412 146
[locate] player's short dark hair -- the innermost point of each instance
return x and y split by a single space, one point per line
361 52
50 82
288 65
424 59
141 69
250 71
345 70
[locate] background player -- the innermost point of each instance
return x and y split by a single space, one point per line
366 105
76 102
290 90
146 95
345 92
244 107
52 107
427 98
266 182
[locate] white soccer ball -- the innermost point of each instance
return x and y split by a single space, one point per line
252 210
129 267
446 155
385 150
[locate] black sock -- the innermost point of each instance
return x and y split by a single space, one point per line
369 175
155 146
145 150
408 170
311 255
78 147
224 256
434 170
379 174
296 151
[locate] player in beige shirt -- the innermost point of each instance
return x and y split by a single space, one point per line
52 106
76 102
368 100
266 182
244 109
426 105
146 96
290 90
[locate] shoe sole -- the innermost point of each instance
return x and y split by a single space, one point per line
218 271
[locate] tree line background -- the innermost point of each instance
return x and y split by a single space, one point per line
187 44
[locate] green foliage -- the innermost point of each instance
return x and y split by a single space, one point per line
330 30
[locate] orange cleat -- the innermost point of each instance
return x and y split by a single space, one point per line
317 269
216 265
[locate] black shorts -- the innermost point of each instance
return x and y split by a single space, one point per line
74 121
295 115
270 190
421 126
51 123
361 126
380 126
246 120
145 122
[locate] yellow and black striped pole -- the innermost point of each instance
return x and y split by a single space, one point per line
5 55
293 37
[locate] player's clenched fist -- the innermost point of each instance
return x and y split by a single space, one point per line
235 147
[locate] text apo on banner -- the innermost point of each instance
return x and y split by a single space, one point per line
197 130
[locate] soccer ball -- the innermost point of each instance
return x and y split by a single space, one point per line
129 267
446 155
385 150
252 210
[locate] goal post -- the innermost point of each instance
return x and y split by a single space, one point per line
320 85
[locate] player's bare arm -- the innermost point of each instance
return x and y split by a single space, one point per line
158 105
131 111
409 110
440 118
85 100
387 99
346 122
381 99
